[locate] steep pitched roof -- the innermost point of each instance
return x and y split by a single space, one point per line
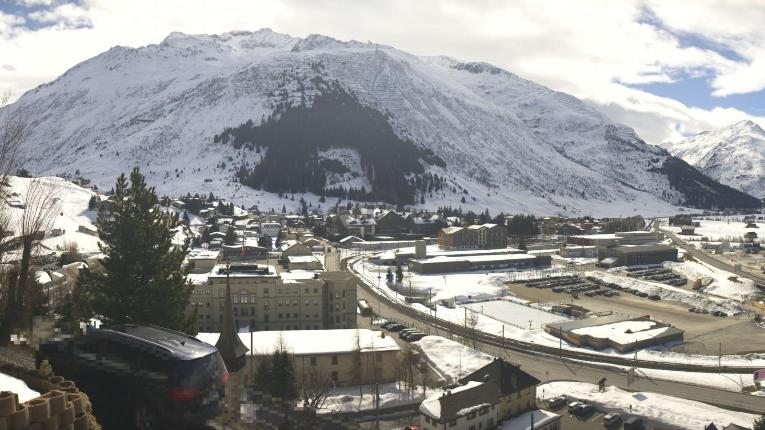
461 401
508 377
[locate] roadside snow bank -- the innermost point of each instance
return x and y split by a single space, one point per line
656 409
668 292
715 281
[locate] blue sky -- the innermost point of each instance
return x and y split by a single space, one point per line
697 92
668 69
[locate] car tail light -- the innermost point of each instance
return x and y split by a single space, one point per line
224 378
183 394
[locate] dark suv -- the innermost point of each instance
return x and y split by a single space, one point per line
143 377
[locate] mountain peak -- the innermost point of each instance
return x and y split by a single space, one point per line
747 125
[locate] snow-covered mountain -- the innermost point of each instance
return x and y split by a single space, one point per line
202 113
733 155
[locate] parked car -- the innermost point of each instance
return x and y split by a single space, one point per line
654 297
387 324
415 336
573 407
586 409
612 419
556 402
406 331
633 423
147 377
395 327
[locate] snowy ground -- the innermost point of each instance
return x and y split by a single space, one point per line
656 409
451 286
459 315
521 316
8 383
73 212
715 281
348 399
669 292
719 230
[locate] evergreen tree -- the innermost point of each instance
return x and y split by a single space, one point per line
284 209
265 241
92 202
399 275
230 237
276 375
186 219
142 279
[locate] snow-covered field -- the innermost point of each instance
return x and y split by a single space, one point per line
509 312
73 212
458 286
718 230
715 281
656 409
8 383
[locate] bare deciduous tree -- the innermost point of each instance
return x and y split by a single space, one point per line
12 131
315 387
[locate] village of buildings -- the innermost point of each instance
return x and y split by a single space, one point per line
435 322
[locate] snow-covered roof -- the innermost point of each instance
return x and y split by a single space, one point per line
540 419
623 332
313 342
302 259
203 254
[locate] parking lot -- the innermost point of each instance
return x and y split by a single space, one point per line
704 333
588 421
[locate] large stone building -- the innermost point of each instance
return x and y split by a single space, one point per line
483 236
265 300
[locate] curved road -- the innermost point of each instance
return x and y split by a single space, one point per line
547 368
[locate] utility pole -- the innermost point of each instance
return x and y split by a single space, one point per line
719 356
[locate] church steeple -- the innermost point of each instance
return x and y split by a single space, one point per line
229 344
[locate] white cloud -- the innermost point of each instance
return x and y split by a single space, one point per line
584 48
64 16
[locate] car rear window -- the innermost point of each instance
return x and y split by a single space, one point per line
200 371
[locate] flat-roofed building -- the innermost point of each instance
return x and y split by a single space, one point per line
637 255
446 264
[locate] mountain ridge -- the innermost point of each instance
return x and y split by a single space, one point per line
733 155
506 143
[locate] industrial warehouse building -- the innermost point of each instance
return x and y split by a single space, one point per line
623 334
448 264
636 255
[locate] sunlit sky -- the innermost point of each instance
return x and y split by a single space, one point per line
668 69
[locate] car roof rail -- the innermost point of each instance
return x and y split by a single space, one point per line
130 336
179 333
